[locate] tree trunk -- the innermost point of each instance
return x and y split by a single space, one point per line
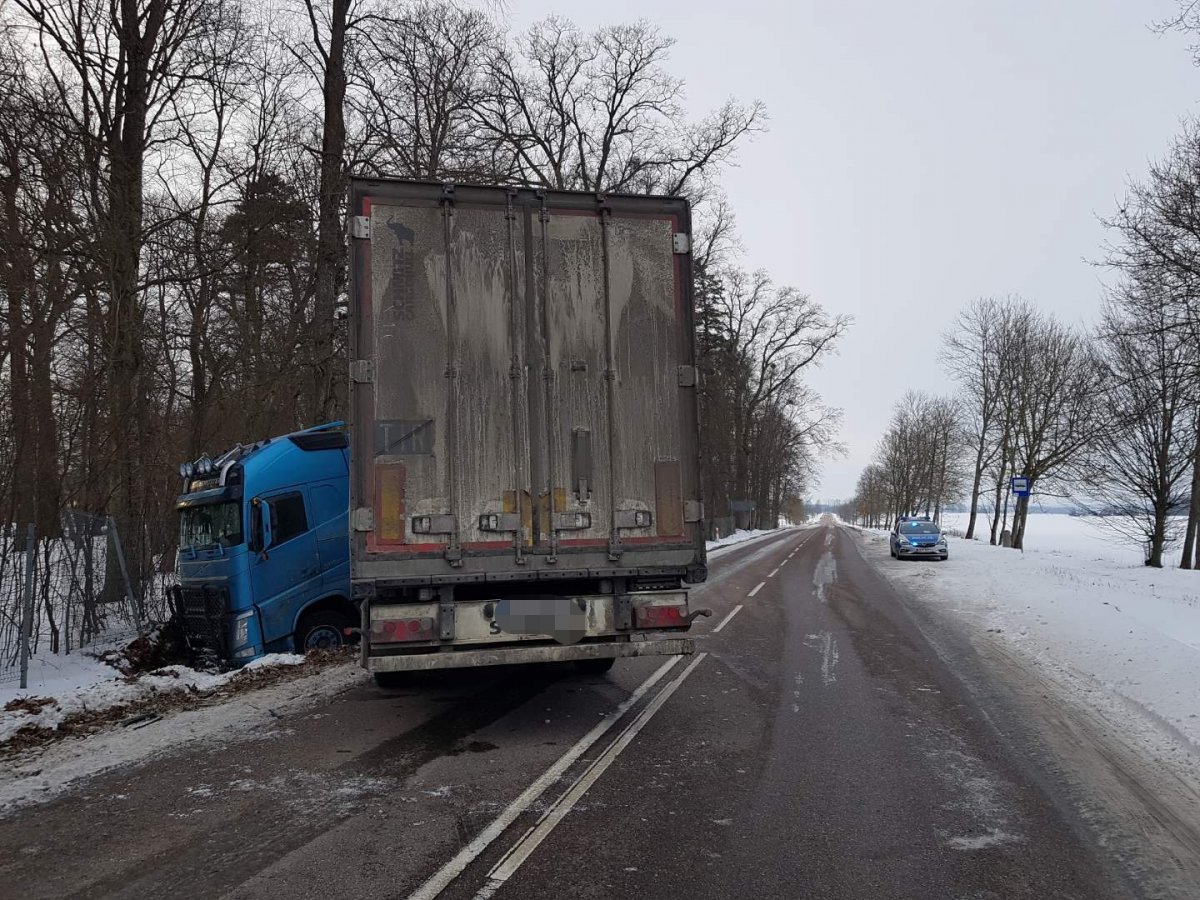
122 235
329 217
1020 517
1193 522
999 514
1158 536
970 535
17 283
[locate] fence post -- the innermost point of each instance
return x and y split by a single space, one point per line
27 615
116 539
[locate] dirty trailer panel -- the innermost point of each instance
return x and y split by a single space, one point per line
523 387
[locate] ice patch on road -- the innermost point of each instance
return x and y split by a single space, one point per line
995 837
829 539
825 574
829 658
826 643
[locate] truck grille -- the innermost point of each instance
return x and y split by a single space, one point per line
204 610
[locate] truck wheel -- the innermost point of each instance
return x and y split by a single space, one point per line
322 630
595 666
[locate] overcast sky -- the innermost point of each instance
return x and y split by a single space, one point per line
922 154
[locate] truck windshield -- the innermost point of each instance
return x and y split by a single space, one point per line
210 525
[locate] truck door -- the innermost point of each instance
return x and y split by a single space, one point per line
285 574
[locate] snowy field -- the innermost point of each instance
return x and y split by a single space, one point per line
1078 535
1080 605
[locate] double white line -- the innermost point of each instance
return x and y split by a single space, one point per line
521 850
532 839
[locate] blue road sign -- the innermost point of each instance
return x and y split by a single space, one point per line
1022 485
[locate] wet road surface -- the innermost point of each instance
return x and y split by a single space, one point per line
816 746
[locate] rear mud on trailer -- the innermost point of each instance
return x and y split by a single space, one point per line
524 475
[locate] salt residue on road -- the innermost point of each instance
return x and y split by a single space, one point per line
1112 631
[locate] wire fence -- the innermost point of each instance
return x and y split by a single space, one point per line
69 592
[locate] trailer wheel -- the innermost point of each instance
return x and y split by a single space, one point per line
322 629
595 666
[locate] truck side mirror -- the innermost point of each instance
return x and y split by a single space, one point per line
260 526
264 511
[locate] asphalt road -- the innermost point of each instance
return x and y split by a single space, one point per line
815 747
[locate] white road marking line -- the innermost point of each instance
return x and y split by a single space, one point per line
725 621
758 587
773 573
442 878
532 839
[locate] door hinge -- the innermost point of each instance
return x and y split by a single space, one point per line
360 227
364 519
687 376
680 242
362 371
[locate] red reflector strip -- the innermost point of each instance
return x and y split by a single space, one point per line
659 616
390 631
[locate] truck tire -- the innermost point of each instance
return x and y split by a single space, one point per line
322 629
595 667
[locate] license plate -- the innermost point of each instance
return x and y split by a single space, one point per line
564 619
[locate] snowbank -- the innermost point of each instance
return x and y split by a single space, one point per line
80 683
47 771
1110 631
740 537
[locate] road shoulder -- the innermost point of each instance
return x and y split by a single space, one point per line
1129 776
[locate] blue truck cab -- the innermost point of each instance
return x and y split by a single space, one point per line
263 559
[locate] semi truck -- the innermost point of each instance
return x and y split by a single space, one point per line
263 560
524 453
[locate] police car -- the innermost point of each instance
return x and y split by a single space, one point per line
916 537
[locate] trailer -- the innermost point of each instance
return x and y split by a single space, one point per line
524 477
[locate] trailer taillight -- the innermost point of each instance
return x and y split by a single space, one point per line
391 631
660 616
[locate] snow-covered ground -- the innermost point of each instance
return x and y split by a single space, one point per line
739 537
1080 535
1081 607
45 772
80 682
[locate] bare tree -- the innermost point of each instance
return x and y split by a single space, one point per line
976 352
1059 383
1157 231
599 112
918 457
426 77
1137 471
